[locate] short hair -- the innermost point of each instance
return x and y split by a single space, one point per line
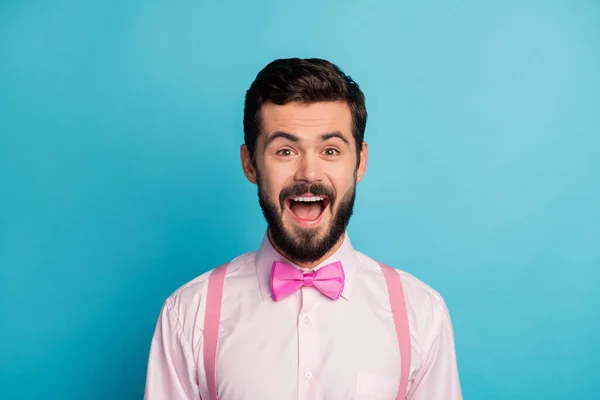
302 80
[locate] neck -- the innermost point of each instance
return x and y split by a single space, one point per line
312 264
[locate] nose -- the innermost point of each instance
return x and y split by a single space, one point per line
309 169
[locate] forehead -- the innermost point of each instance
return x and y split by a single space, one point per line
307 120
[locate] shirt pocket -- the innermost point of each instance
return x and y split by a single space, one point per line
375 387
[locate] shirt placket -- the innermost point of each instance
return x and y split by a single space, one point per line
308 345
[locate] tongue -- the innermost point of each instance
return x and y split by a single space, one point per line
306 211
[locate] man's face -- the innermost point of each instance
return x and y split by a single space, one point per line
306 172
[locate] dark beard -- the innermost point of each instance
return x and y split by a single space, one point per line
306 245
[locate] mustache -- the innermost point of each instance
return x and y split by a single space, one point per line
301 188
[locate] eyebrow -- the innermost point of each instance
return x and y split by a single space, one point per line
336 134
296 139
282 135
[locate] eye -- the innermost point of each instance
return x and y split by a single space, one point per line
284 152
331 152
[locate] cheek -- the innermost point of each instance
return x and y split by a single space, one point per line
342 187
273 181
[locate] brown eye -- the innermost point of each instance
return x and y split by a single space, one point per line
331 152
284 152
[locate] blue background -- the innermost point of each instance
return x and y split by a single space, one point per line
120 125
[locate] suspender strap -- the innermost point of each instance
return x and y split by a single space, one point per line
212 319
398 304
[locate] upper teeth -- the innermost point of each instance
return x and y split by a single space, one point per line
308 198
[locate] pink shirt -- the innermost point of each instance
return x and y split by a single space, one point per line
305 346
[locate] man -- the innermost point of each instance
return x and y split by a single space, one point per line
305 316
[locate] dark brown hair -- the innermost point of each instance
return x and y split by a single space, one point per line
302 80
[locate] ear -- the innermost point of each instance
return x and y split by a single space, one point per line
247 165
362 165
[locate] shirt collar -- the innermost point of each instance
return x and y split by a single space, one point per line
267 254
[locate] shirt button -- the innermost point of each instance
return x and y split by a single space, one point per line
308 374
306 320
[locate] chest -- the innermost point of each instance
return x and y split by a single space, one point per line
308 347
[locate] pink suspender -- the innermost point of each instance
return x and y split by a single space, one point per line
213 316
396 295
212 319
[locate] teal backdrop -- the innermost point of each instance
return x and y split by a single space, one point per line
120 126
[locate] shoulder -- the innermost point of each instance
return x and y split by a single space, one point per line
426 306
187 302
183 311
425 303
427 313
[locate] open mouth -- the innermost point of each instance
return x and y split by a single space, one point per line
307 208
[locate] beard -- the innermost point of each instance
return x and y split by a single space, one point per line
306 245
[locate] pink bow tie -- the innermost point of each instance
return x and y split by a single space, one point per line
286 279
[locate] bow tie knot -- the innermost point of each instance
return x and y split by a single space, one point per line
286 279
308 278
